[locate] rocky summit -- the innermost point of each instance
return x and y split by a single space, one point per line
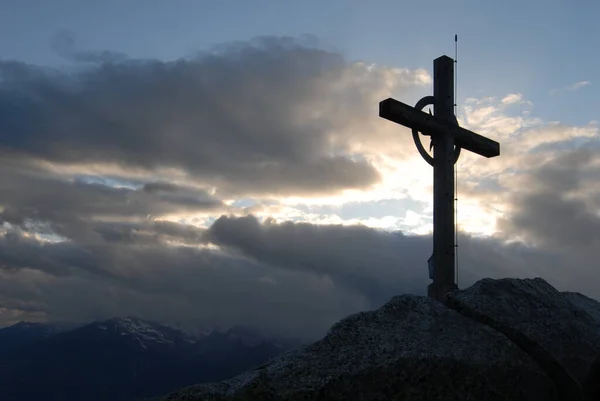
508 339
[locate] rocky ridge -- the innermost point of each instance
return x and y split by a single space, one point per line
508 339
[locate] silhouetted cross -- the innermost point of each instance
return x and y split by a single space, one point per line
447 140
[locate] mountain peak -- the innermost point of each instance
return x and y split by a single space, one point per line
142 331
128 321
26 325
46 327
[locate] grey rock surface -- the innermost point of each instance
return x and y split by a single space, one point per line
413 348
585 304
564 326
508 339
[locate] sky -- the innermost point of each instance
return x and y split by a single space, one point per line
219 163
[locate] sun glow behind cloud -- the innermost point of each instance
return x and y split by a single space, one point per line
404 175
480 205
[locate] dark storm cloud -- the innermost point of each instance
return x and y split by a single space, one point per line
294 279
167 283
255 117
153 187
144 233
556 207
19 252
374 263
37 201
358 257
50 197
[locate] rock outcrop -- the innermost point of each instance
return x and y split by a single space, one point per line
561 337
507 339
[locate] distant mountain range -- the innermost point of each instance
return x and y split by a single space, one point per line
121 359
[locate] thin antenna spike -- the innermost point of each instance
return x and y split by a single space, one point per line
455 70
455 164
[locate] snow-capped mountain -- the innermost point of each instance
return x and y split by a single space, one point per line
195 330
143 332
124 359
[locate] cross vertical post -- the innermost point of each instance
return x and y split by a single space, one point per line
443 183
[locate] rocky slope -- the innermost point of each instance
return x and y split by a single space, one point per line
507 339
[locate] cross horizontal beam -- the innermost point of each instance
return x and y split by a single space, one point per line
401 113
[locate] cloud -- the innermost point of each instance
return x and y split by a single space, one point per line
514 98
542 190
554 207
490 118
570 88
85 282
528 146
291 279
74 208
112 172
266 116
249 185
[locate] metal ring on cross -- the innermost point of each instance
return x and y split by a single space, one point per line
426 101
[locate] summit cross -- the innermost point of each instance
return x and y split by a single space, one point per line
447 139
